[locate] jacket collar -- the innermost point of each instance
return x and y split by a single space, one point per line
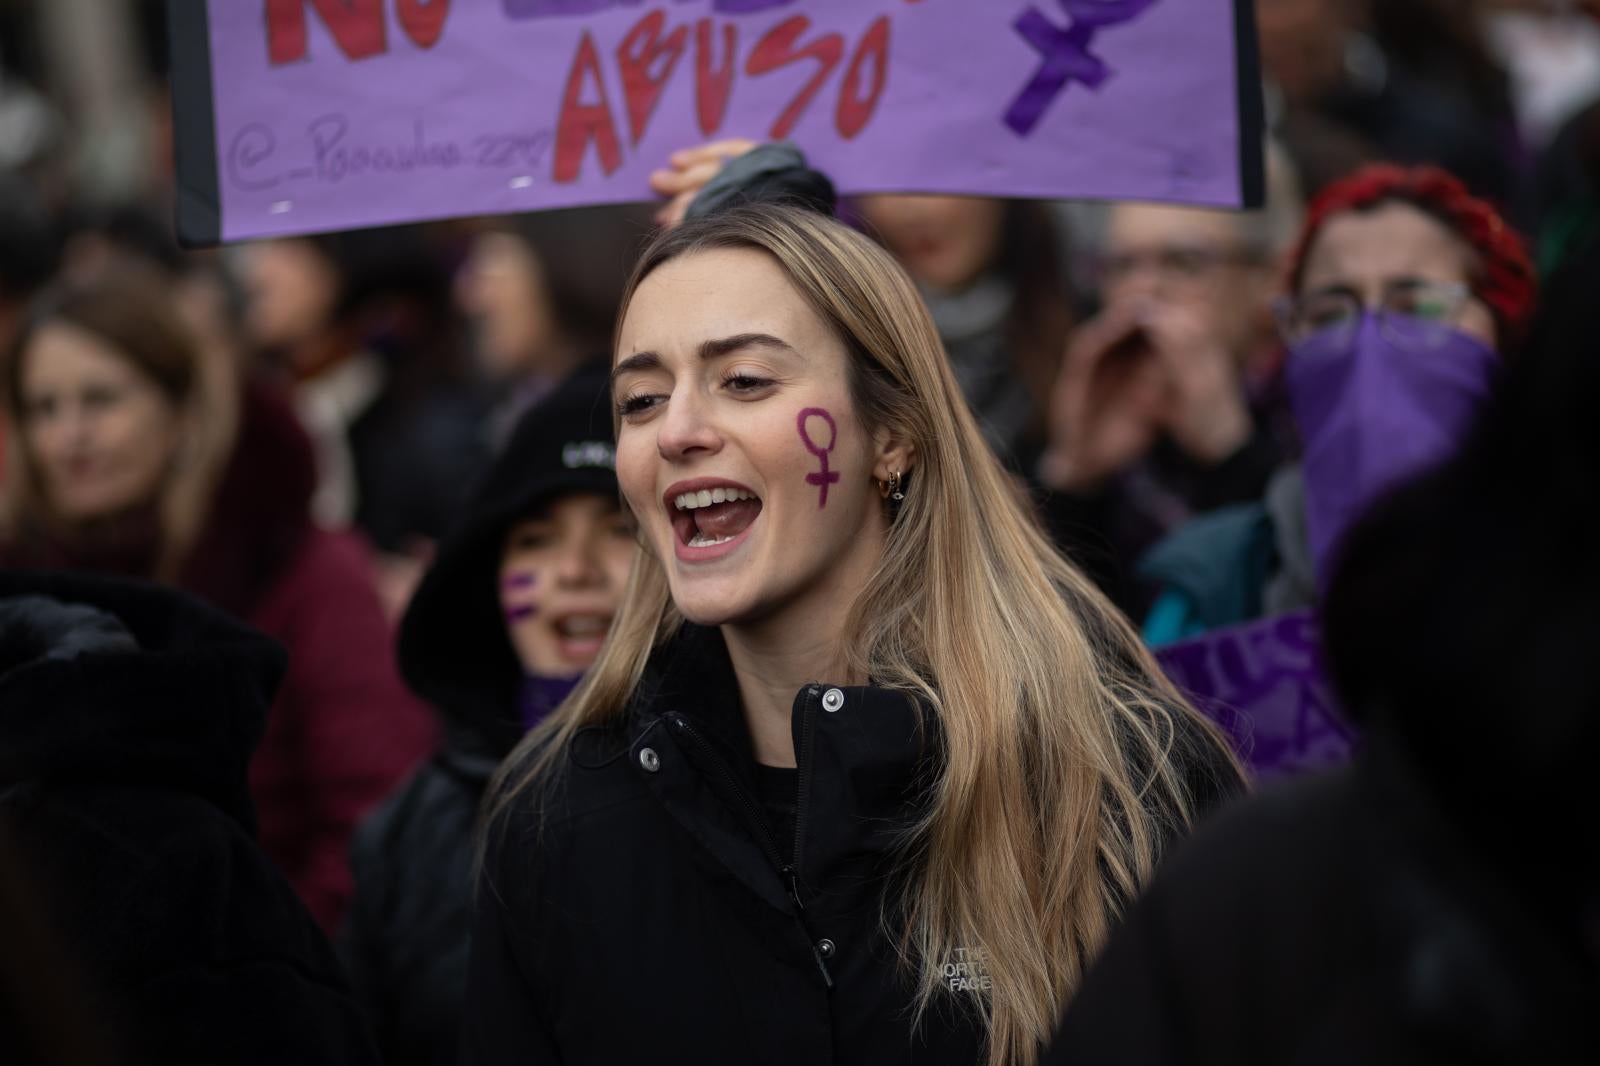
867 759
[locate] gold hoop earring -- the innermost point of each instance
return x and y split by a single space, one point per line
890 490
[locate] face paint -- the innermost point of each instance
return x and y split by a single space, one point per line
519 614
518 582
824 477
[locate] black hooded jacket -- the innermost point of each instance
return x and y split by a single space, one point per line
405 942
648 908
127 717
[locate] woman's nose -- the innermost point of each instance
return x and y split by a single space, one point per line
685 429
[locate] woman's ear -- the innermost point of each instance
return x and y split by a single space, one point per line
893 453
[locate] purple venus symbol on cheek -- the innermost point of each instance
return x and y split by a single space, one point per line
823 477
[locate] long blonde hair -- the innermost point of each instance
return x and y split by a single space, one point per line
1058 785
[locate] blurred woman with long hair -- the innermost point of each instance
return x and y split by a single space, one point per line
135 451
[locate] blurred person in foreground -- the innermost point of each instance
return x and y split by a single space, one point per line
1164 407
1439 900
540 292
159 930
137 453
1404 294
513 610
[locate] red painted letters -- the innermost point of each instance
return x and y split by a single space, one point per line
649 55
777 49
358 26
711 87
638 53
581 123
854 112
423 19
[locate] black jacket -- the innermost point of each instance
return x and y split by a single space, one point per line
644 911
127 717
405 940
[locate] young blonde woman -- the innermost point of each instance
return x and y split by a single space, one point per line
865 771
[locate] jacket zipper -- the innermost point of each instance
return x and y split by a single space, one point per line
757 817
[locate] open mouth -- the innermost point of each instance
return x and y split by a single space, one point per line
581 635
706 514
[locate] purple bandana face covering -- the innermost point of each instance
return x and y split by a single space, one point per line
1373 414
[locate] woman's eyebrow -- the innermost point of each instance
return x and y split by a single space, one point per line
710 349
1337 288
636 361
726 345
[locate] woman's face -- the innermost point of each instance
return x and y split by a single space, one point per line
290 291
101 434
946 242
1375 254
501 289
739 449
562 571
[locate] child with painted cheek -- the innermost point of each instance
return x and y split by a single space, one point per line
562 571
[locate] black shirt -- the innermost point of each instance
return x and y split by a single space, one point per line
778 789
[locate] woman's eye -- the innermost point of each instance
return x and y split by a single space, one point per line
745 383
39 408
634 405
101 399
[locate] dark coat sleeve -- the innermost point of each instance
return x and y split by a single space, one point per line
506 1013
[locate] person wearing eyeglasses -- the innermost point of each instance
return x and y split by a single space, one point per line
1405 293
1160 410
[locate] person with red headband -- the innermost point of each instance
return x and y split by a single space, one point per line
1406 294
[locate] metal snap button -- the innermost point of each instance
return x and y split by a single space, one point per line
832 700
825 948
649 760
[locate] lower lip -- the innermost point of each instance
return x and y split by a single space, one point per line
712 552
582 650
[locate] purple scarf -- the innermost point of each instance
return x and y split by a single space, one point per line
541 695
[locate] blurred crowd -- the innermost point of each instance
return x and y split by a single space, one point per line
362 444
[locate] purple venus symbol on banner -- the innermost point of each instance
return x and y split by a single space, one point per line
824 477
1066 53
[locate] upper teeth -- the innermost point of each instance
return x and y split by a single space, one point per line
706 497
583 625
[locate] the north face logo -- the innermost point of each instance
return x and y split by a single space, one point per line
967 970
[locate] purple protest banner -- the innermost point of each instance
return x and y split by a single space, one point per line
1264 684
298 116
